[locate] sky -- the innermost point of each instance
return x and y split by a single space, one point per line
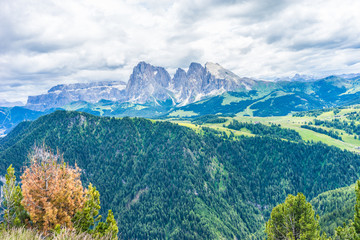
48 42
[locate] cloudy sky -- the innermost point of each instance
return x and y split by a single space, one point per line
49 42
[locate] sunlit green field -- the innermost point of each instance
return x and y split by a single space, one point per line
348 141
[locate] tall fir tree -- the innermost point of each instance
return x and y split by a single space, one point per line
14 214
294 219
357 208
108 228
86 218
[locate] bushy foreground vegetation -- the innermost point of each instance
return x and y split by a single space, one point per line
52 201
33 234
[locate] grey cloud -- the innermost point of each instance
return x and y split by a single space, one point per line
184 37
251 12
330 43
191 56
352 62
45 44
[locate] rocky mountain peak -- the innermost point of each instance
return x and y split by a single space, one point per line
179 79
180 73
216 70
148 83
195 71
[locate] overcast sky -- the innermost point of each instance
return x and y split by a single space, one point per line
47 42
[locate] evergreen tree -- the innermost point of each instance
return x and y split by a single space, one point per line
293 219
352 230
346 232
357 208
108 228
14 213
85 219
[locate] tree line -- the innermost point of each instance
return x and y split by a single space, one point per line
273 131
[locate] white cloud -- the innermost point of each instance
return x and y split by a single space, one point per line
48 42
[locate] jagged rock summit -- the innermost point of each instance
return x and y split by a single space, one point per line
149 84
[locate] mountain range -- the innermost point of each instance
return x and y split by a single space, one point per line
148 84
211 89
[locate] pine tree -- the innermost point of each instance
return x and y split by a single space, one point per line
108 228
346 232
85 219
352 229
357 208
293 219
15 214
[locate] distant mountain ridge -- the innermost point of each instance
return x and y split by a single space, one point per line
148 84
63 94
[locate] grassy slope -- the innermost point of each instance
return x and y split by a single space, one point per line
348 143
29 234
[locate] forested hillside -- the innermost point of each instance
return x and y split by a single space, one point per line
335 207
163 180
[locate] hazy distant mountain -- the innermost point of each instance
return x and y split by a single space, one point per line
298 78
351 75
11 116
209 89
4 103
63 94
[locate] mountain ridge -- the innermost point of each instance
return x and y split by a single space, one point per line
148 84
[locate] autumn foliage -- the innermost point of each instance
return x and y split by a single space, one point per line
52 200
52 190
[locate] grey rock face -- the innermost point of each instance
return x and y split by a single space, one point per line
200 82
63 94
148 84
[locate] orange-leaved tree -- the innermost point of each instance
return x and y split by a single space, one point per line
52 190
